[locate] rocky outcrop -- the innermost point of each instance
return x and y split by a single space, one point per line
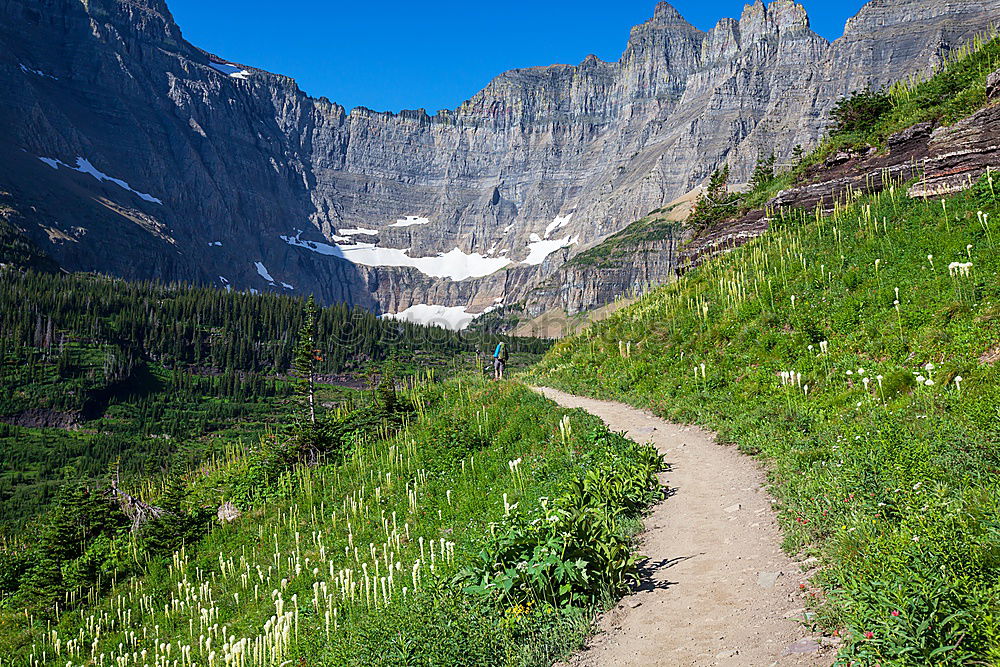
960 153
583 286
845 175
941 160
167 162
993 86
44 418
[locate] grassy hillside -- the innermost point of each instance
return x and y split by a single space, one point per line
857 355
461 523
97 372
659 225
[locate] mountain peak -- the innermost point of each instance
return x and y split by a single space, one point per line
665 14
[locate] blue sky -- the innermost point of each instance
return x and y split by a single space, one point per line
390 55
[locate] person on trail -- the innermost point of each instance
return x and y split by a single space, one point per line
500 356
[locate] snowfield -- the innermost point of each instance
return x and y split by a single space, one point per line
84 166
263 273
560 221
358 230
538 249
409 221
453 318
230 70
36 72
454 265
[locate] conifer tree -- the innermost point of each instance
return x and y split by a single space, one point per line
306 356
177 525
763 172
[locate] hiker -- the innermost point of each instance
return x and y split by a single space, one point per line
499 360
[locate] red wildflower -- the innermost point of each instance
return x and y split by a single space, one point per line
869 634
895 612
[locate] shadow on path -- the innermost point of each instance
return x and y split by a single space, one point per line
649 567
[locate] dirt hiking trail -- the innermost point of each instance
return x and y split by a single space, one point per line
716 587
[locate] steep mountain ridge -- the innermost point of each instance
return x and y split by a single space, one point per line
164 161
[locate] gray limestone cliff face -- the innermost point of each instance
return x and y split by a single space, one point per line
236 158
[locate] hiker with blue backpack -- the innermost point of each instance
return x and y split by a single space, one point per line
500 356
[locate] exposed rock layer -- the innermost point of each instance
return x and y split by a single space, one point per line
945 159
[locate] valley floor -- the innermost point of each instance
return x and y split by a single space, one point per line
717 589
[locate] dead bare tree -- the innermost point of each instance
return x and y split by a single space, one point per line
135 509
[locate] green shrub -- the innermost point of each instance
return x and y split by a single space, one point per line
860 112
986 192
573 549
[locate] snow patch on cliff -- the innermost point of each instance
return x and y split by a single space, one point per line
538 249
560 221
358 230
84 166
37 72
263 273
453 318
410 221
230 70
455 264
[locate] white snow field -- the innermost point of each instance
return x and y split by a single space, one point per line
453 318
560 221
358 230
263 273
84 166
538 249
37 72
455 264
409 221
230 70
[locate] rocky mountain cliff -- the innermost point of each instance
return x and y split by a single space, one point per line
136 153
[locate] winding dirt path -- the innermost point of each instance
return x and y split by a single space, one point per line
716 587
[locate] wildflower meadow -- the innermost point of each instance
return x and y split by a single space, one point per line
855 354
387 554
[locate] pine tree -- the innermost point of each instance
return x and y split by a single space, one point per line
763 172
715 203
176 525
306 356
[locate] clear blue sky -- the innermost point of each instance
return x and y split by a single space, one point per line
393 54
